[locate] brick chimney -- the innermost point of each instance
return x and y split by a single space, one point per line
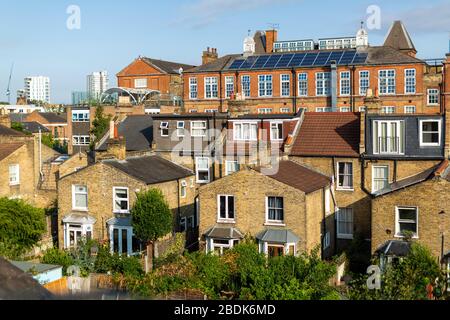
209 55
116 145
372 102
271 37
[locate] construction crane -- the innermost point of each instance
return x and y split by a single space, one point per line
8 91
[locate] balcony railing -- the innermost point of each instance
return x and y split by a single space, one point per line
389 145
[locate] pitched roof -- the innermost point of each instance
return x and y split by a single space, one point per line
34 127
8 148
150 169
137 131
397 248
441 170
167 66
18 285
5 131
398 37
388 55
328 134
53 117
18 117
298 176
260 42
216 65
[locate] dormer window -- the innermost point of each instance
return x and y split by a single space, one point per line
389 137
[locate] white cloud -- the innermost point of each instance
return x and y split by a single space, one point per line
204 12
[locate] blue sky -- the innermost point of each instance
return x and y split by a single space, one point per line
34 34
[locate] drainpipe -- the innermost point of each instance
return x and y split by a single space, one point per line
333 86
220 91
294 91
395 171
363 176
178 204
41 174
352 93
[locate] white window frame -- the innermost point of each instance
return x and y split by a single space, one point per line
430 144
80 115
265 110
265 85
198 170
228 172
127 200
324 109
397 221
193 89
285 110
284 82
388 109
221 246
377 136
341 235
327 199
338 175
139 83
183 189
379 179
410 78
78 140
211 88
345 83
227 219
183 224
387 78
303 84
436 93
324 79
362 109
83 228
246 85
229 86
275 222
203 127
238 131
362 82
411 111
345 109
164 125
276 129
14 174
180 128
74 193
326 240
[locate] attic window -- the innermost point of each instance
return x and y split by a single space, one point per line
164 129
140 83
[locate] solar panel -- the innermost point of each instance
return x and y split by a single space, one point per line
284 61
348 57
248 63
335 56
297 59
260 62
322 59
236 64
273 60
309 59
360 58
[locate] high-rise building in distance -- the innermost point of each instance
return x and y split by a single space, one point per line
37 88
97 83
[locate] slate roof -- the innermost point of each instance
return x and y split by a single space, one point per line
18 285
5 131
34 127
395 248
8 148
137 131
328 134
298 176
53 117
277 236
214 66
388 55
398 37
224 233
441 170
167 66
260 42
150 169
18 117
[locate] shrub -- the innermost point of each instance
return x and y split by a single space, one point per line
58 257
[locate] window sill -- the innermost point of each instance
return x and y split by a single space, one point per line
345 190
429 145
14 184
345 236
225 221
275 224
120 212
398 236
80 209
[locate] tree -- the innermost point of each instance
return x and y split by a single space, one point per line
151 219
100 124
21 227
405 279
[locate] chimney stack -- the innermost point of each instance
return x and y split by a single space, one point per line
209 55
271 38
372 102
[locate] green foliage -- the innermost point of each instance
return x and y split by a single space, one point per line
21 227
58 257
48 140
403 280
19 127
151 216
243 273
100 124
172 253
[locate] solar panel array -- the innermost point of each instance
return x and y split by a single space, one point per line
304 59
